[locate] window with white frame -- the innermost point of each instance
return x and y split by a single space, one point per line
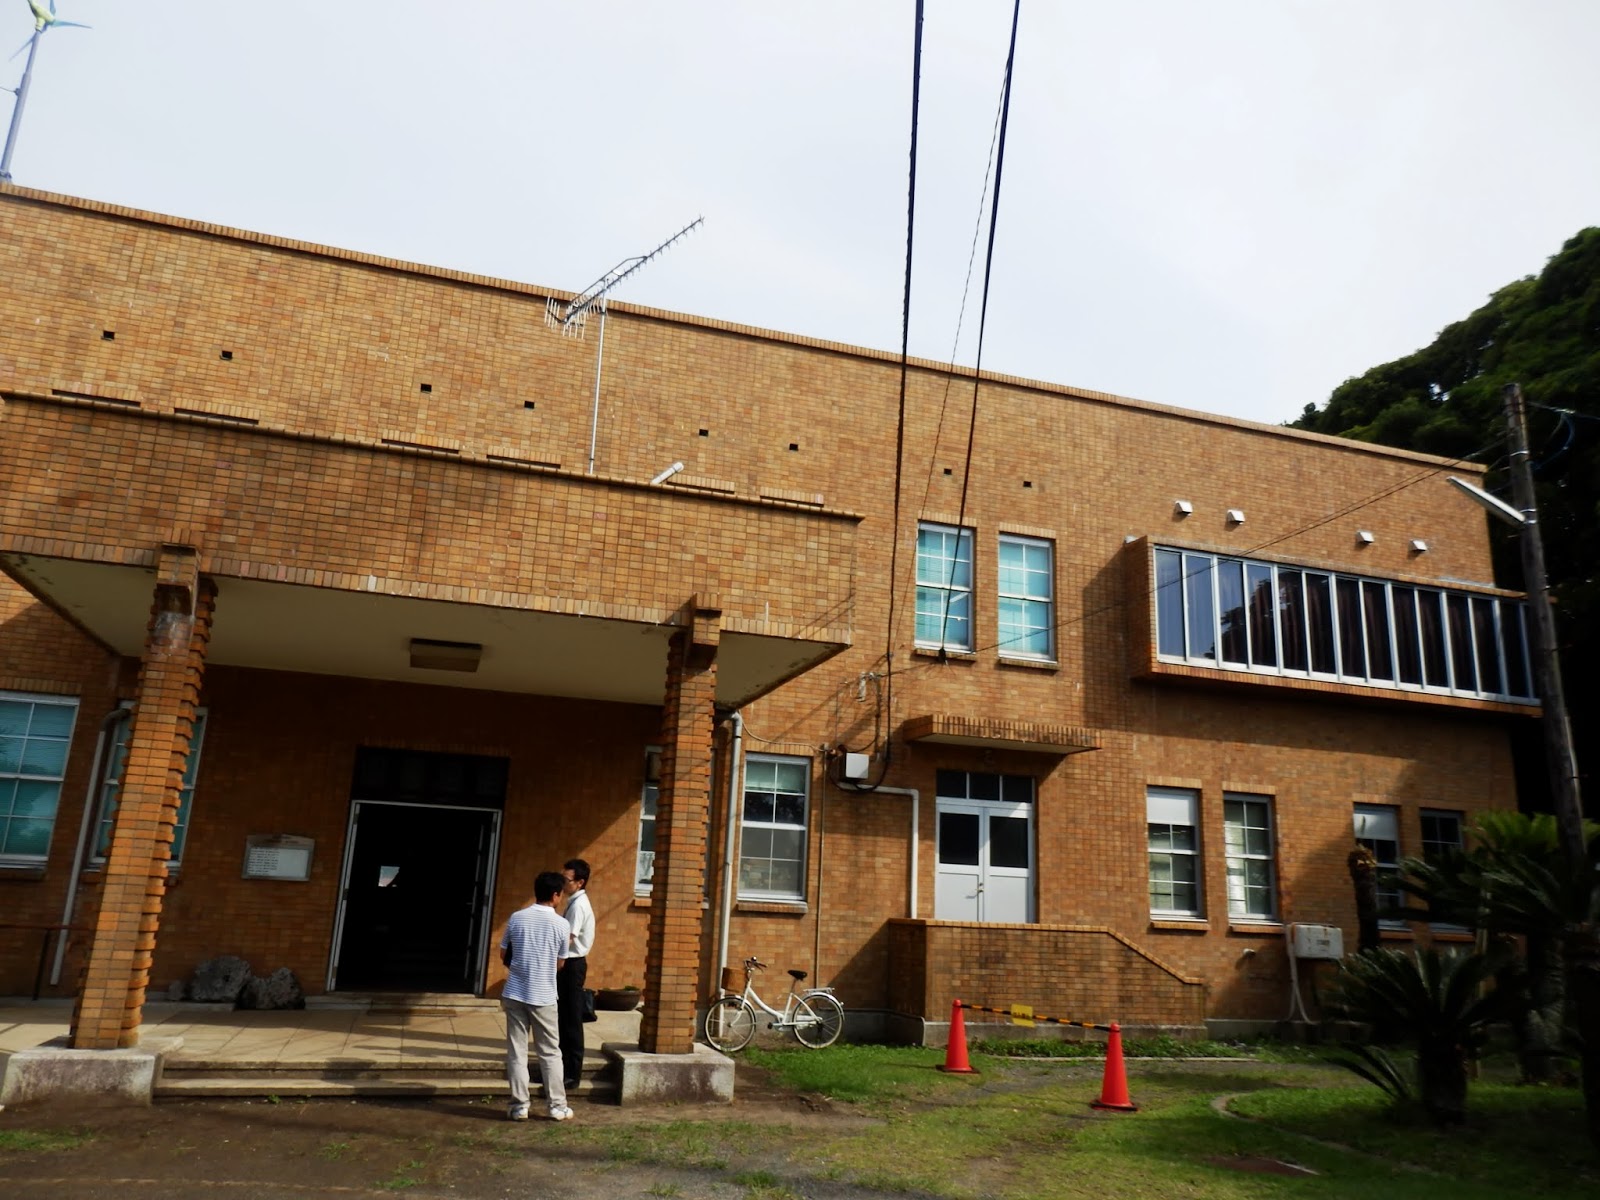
1269 618
1172 818
1377 827
1441 834
645 865
111 788
944 587
1249 853
1026 597
35 735
772 846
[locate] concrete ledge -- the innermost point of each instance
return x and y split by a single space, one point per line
701 1076
55 1070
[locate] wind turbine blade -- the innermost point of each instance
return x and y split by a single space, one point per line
73 24
22 47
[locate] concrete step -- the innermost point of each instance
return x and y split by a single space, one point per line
181 1084
185 1065
431 1003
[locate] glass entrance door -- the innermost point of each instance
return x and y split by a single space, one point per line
985 870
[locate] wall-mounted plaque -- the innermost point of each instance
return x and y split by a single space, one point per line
277 856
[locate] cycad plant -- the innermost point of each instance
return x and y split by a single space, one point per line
1515 884
1433 1002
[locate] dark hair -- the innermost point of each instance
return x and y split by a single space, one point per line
579 869
548 886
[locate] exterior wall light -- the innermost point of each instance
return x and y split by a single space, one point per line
1182 508
1364 537
1236 516
1418 546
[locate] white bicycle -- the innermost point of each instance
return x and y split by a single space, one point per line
814 1016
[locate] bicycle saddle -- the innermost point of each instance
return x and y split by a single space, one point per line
798 975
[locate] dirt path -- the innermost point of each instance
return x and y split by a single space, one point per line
448 1148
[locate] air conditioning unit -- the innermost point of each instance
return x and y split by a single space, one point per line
1317 941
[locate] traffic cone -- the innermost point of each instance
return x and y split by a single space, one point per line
1114 1088
955 1053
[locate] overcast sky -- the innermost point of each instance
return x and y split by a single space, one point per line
1229 206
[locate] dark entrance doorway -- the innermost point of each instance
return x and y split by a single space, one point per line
419 872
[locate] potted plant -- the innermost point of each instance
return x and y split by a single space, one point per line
617 999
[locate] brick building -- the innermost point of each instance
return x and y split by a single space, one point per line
322 629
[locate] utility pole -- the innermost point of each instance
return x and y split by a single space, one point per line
1560 756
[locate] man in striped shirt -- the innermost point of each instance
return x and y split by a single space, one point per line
533 949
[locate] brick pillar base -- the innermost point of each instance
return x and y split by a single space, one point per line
672 954
111 1001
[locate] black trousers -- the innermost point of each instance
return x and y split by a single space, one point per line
569 1014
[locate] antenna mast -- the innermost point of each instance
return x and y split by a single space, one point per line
573 317
44 19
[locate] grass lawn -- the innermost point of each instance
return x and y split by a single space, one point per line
1025 1129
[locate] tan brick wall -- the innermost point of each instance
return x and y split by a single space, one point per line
1076 973
337 346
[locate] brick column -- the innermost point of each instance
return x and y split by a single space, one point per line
111 1001
672 953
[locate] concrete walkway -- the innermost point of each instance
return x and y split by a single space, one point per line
331 1047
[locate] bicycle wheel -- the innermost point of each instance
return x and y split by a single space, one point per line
818 1020
730 1024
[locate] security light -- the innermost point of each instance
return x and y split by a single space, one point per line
1496 506
1364 536
1182 508
1236 516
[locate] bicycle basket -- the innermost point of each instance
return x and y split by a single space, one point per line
730 980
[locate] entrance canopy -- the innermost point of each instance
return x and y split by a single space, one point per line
384 563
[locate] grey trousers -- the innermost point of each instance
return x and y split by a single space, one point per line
520 1018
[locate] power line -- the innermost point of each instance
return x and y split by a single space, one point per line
983 308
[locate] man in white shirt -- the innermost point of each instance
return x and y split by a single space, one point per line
569 984
534 948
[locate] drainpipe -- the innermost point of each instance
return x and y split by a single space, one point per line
911 855
90 806
728 843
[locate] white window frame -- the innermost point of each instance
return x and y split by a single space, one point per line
1489 619
649 801
936 597
1431 847
1168 809
11 780
1375 824
1238 853
747 826
1029 599
110 785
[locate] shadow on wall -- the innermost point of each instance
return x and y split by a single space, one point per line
34 640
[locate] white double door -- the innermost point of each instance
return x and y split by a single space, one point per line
985 862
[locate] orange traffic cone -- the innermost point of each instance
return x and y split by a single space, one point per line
955 1054
1114 1088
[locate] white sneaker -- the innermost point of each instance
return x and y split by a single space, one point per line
517 1112
561 1112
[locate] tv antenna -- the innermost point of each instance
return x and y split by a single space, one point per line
44 20
572 318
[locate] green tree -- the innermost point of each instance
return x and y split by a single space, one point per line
1514 884
1542 332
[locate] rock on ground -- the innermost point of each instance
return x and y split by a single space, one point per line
279 990
221 978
